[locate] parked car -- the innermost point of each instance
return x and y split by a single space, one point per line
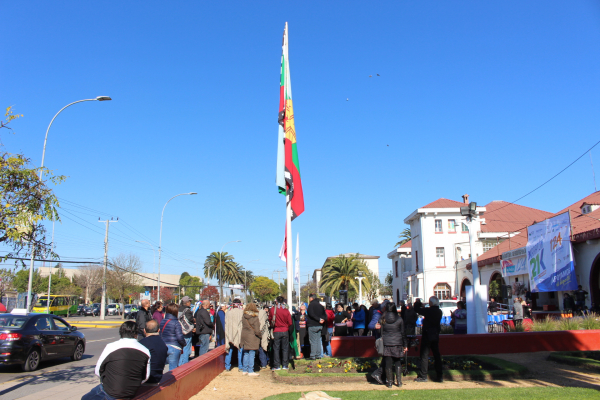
447 306
28 339
87 311
96 309
113 309
130 311
80 310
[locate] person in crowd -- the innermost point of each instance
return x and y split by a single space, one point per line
263 355
204 326
459 319
316 318
122 367
526 309
371 310
431 337
157 311
220 325
518 312
251 338
375 315
358 319
409 317
568 303
395 344
280 320
233 333
302 331
158 351
330 321
350 322
185 312
580 298
341 318
172 334
143 316
493 307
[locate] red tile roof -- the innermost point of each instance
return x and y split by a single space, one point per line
502 216
445 203
407 244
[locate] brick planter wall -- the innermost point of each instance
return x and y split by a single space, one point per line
488 343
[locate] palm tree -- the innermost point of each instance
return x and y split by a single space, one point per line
222 263
339 273
404 237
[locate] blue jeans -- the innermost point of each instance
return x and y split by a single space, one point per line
230 354
248 361
185 356
203 343
328 349
314 336
173 355
97 393
263 357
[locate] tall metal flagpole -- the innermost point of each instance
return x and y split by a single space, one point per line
289 259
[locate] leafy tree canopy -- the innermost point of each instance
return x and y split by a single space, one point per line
264 289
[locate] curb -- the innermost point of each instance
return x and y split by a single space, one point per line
106 326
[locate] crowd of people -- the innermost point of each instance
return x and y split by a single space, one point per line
163 335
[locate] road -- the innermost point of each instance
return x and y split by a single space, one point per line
15 384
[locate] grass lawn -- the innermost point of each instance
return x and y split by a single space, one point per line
586 359
545 393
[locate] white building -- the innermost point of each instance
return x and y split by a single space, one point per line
440 244
401 271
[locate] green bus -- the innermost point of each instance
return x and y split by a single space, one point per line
59 305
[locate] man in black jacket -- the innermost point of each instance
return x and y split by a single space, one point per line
316 317
409 317
204 326
143 316
158 351
430 338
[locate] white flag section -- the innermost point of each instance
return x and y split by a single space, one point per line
282 251
297 276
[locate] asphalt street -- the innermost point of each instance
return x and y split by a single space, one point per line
56 372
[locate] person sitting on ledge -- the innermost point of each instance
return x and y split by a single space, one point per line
158 351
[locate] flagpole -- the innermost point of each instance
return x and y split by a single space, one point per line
289 259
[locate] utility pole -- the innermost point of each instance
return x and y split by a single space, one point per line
360 278
103 304
278 280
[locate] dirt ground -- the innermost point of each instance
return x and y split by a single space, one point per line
233 386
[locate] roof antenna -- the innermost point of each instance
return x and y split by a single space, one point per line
593 173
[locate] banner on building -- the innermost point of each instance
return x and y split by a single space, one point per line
550 255
514 262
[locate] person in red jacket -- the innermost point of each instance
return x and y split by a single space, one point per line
281 320
330 321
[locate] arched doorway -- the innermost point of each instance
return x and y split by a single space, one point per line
495 286
595 281
463 291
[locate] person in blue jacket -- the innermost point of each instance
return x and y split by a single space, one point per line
172 335
359 319
375 319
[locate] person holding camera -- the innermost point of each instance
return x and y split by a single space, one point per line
430 340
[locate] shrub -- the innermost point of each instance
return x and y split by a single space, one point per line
568 324
590 321
446 330
547 324
516 328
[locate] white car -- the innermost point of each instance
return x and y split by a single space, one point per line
447 306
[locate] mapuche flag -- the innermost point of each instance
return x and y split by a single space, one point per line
288 165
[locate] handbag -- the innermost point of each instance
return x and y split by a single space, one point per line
272 330
379 346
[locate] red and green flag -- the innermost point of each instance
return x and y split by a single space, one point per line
288 166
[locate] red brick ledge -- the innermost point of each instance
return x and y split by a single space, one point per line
187 380
488 343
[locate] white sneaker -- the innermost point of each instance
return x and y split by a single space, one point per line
253 374
244 373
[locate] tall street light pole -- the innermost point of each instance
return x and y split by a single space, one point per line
245 283
360 278
160 238
29 286
221 267
153 261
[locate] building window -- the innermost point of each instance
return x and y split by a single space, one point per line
397 296
396 265
452 226
488 245
442 291
465 228
438 226
416 261
439 255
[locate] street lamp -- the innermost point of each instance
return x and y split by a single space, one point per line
360 277
221 267
153 260
160 238
29 287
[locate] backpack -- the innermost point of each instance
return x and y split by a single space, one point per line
186 326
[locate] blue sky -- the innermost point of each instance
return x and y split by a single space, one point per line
485 98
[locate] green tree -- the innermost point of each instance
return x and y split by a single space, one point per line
494 290
339 273
123 279
404 237
183 275
25 202
191 286
305 290
217 263
264 289
371 286
7 277
21 281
